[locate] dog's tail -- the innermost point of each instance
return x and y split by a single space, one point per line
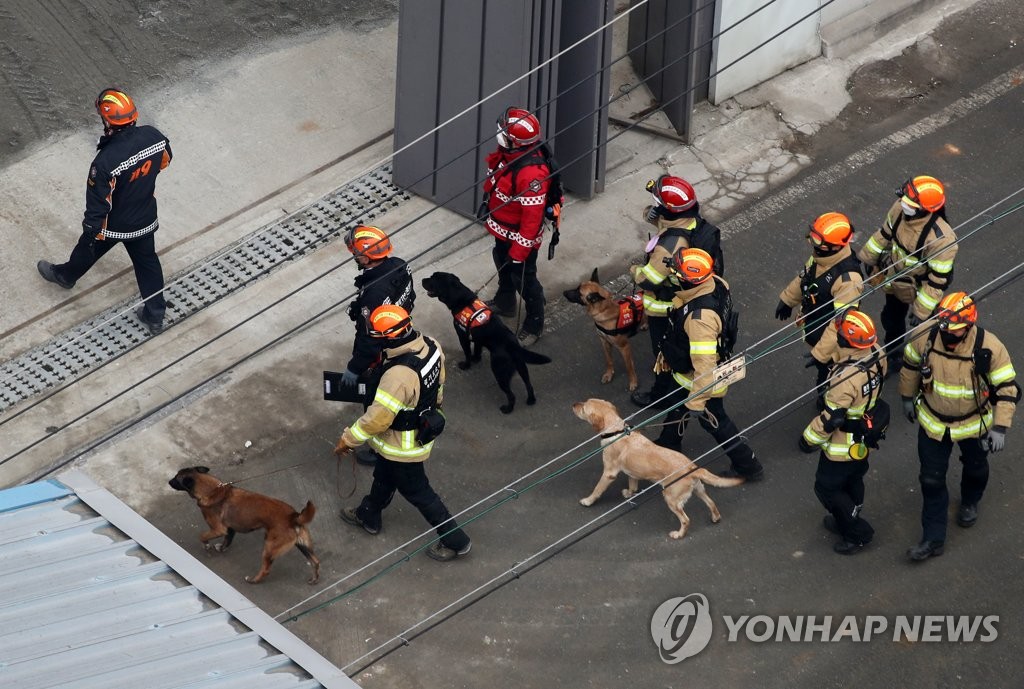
305 516
718 481
532 357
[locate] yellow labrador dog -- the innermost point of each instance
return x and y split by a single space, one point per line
640 459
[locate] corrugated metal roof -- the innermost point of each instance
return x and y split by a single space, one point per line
93 595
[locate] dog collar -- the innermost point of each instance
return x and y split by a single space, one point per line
612 434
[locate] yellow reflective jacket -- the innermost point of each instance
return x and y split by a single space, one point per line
949 392
654 276
853 388
399 390
702 328
892 249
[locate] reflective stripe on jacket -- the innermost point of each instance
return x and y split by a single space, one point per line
654 277
953 396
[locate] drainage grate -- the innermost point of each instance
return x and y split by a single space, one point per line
55 363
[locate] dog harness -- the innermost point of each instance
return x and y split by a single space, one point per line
630 312
473 316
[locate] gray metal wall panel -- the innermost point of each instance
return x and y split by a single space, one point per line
416 93
461 54
582 117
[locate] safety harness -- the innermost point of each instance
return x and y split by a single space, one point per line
631 311
473 316
424 416
676 345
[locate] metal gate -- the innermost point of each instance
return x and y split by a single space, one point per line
670 48
453 53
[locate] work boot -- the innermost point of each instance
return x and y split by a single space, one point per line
925 550
349 516
527 339
845 547
442 553
755 476
641 398
967 515
50 274
153 327
500 309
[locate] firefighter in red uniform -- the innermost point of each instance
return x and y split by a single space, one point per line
515 191
120 205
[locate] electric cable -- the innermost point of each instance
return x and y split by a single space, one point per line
588 528
515 493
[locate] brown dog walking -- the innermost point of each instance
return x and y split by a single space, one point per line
228 510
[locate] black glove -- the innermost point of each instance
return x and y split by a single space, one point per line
912 320
349 378
997 438
783 311
909 410
652 214
805 446
353 311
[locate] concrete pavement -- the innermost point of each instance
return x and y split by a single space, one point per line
581 618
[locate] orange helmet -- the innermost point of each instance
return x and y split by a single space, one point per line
389 321
116 108
923 192
674 193
518 127
693 266
857 328
831 231
957 311
369 241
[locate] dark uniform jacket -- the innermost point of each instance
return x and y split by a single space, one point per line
119 195
389 282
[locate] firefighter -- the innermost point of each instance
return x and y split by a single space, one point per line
830 282
400 425
515 191
120 205
852 420
692 348
958 383
676 214
915 238
383 279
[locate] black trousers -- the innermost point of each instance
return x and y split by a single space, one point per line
724 432
142 251
840 489
410 480
521 279
934 456
894 323
664 383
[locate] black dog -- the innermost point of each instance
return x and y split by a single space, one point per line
477 325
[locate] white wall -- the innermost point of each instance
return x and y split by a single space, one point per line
841 8
797 45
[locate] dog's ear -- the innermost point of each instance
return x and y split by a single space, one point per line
202 470
594 297
593 276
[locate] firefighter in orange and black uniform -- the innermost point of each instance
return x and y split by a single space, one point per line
515 194
830 282
120 205
676 215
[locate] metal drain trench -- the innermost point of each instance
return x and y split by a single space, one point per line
53 364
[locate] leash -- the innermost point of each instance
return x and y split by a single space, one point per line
337 477
269 473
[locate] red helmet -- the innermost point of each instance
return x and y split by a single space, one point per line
693 266
389 321
858 329
116 108
831 230
957 311
923 192
369 241
518 127
674 193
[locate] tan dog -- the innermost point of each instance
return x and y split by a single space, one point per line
640 459
228 510
616 321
